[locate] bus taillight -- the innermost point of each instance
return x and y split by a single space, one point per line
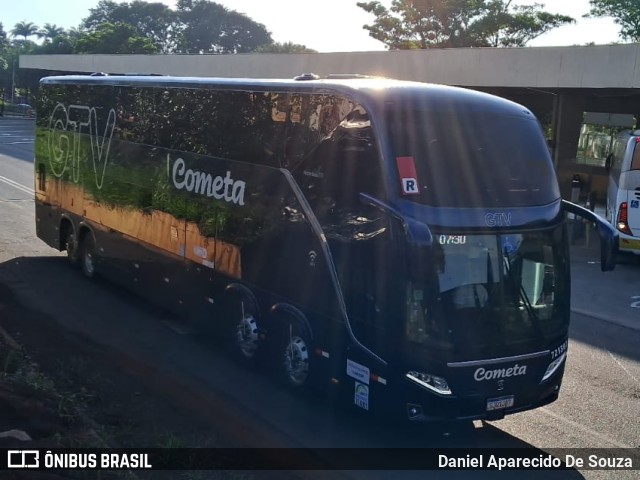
623 219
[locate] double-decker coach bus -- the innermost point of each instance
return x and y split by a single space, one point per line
400 244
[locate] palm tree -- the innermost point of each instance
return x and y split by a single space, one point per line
24 29
74 33
3 39
49 32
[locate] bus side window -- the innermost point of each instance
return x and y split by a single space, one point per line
635 162
337 172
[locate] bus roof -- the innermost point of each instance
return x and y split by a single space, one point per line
367 90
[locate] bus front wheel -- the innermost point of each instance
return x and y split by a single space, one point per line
69 242
71 247
241 327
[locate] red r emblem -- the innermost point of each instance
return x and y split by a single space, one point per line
408 175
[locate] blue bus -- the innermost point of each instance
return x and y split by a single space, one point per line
400 245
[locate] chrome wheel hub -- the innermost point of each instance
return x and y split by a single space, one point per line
89 267
296 361
247 336
71 246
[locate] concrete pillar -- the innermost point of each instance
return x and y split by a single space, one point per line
568 113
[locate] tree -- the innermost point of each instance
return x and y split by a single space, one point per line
14 76
422 24
4 43
24 29
22 47
3 49
155 21
507 25
208 27
114 38
410 24
74 33
49 32
101 13
625 13
60 45
286 47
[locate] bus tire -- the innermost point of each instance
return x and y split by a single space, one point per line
241 334
69 242
293 354
87 255
71 247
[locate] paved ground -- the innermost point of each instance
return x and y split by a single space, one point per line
613 297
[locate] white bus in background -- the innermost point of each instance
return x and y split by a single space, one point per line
623 192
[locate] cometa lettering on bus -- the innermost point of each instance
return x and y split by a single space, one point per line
221 188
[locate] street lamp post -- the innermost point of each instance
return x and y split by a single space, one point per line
13 80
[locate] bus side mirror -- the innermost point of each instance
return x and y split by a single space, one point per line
608 250
608 234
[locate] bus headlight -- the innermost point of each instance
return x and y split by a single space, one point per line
553 366
432 382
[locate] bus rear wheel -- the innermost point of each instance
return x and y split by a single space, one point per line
88 256
293 355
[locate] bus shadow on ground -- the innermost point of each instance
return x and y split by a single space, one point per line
604 304
49 284
606 336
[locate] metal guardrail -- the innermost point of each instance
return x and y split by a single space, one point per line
23 116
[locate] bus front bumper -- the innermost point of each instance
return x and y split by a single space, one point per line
426 406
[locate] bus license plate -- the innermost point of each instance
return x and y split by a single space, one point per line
500 403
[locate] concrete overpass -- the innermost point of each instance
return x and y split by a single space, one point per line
558 84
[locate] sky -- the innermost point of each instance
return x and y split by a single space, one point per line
335 27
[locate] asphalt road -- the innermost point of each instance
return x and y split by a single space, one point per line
598 405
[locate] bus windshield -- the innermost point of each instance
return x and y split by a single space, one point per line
493 292
467 159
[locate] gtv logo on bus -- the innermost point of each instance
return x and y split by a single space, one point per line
498 219
66 126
